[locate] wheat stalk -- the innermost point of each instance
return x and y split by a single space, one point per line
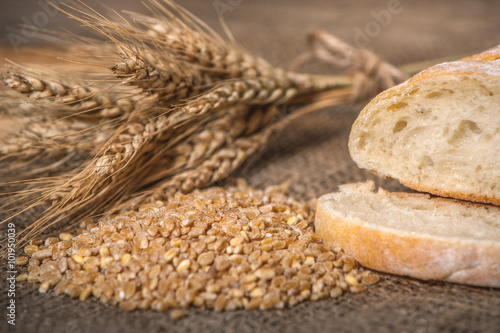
218 166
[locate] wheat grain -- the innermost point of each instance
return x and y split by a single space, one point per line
190 251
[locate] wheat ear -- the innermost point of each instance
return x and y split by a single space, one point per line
191 41
93 102
279 88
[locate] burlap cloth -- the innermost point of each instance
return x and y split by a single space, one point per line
311 154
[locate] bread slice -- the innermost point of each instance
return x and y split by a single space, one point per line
413 234
438 132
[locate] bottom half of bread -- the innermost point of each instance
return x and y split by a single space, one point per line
413 234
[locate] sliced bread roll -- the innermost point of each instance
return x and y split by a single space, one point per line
438 132
413 234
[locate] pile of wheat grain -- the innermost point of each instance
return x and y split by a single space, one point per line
216 248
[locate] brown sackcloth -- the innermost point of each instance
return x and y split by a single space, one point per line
311 154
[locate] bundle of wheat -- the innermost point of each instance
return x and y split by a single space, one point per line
181 108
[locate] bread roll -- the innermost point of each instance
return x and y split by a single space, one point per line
413 234
438 132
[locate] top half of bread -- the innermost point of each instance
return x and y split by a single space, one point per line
439 131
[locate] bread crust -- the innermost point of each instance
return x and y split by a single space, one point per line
490 55
475 197
485 64
411 254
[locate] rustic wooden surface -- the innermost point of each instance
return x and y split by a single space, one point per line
311 154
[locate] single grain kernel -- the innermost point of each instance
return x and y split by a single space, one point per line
236 241
51 240
125 260
44 287
222 263
266 209
349 264
33 262
85 293
128 306
106 261
206 258
176 242
236 293
220 303
351 280
171 254
336 292
244 235
177 314
42 254
309 261
257 292
22 277
253 303
65 236
30 249
249 278
338 263
305 294
370 279
358 288
36 241
21 261
265 273
185 264
104 251
270 300
292 220
77 258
